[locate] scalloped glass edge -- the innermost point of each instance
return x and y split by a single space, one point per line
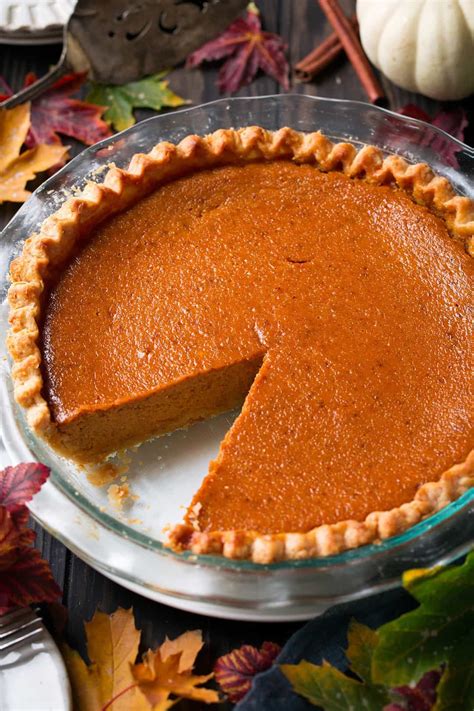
72 170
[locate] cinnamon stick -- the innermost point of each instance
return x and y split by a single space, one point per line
312 70
349 40
322 55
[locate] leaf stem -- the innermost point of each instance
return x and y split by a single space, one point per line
121 693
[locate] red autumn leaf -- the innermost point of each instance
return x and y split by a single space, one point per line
417 698
24 577
247 49
5 90
414 111
12 541
14 533
234 671
28 580
14 536
453 122
19 484
10 536
55 112
20 517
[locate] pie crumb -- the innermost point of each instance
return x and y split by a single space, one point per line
118 494
101 474
194 514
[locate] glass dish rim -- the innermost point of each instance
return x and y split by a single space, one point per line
205 560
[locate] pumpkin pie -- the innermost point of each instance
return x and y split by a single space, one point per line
326 289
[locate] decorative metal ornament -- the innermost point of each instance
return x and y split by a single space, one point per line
117 41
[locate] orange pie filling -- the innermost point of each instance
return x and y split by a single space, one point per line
336 311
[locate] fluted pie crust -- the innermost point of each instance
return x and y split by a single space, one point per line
45 255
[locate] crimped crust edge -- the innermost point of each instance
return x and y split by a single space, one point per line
329 539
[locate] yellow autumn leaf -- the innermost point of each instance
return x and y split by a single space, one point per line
14 125
168 670
85 692
17 169
108 682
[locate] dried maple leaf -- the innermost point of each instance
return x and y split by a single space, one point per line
24 576
427 637
112 680
27 579
453 122
55 112
168 670
19 484
420 661
247 49
14 125
17 169
108 682
326 686
10 538
149 93
235 671
14 533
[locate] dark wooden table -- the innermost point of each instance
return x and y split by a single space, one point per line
303 25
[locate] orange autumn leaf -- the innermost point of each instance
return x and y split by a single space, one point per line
107 682
113 682
14 125
17 169
168 670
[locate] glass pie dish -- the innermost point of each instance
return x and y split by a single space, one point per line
128 545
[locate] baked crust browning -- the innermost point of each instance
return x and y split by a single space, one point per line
46 253
334 538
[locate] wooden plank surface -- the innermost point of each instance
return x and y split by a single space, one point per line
303 25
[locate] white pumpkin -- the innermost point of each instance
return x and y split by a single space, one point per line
426 46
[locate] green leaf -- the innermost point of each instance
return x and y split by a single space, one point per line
362 642
119 111
326 686
425 638
439 632
150 93
456 688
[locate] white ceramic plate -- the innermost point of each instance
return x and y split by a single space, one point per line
33 677
33 21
